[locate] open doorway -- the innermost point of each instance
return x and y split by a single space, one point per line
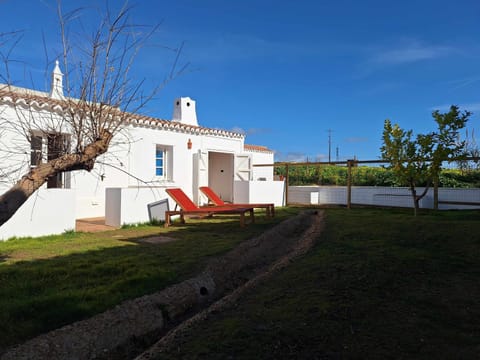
220 174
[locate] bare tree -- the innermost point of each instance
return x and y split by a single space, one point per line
472 152
88 106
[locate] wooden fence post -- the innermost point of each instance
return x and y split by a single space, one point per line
286 184
349 183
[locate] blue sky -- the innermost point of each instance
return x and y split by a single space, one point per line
287 72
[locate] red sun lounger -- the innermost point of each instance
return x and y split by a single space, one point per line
215 199
188 207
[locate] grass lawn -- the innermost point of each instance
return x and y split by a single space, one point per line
379 284
52 281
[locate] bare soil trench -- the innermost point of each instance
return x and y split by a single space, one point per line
144 327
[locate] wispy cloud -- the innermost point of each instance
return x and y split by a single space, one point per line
321 157
398 53
228 47
291 156
300 157
251 131
461 83
409 52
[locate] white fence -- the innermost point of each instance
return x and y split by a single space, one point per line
381 196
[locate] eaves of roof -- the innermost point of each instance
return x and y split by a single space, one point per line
257 148
25 98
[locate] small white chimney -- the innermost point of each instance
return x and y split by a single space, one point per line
56 91
184 111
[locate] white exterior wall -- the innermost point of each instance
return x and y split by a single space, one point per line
246 192
128 170
380 196
46 212
130 205
137 164
262 173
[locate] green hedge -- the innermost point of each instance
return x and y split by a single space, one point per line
369 176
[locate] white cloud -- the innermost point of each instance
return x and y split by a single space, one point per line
291 157
460 83
250 131
222 48
239 130
409 52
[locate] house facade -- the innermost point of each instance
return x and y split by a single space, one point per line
146 157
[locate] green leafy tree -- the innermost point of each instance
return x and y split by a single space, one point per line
418 160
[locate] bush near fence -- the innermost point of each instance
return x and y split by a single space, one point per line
369 176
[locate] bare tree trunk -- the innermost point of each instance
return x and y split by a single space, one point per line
16 196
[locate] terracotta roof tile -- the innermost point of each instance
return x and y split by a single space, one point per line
257 148
14 96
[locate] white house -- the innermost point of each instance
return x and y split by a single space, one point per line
148 156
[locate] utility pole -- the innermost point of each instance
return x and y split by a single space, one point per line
329 144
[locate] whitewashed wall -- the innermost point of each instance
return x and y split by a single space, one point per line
130 205
130 166
380 196
246 192
46 212
134 165
261 172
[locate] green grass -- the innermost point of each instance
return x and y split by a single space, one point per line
52 281
379 284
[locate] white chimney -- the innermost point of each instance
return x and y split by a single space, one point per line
184 111
56 90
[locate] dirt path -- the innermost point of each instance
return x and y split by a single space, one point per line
136 325
174 338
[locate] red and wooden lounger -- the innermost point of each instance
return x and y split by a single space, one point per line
217 201
188 207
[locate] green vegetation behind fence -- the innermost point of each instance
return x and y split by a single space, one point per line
368 176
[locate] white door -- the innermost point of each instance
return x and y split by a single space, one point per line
220 174
243 167
202 176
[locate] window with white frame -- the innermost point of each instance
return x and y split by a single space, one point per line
163 162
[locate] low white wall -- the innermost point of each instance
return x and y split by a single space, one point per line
90 207
130 205
46 212
259 192
380 196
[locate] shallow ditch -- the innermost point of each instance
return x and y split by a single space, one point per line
143 327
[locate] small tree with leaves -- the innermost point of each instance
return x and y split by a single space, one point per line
418 160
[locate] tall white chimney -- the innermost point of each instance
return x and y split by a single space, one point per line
56 90
184 111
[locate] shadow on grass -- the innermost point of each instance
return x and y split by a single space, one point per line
379 284
40 295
